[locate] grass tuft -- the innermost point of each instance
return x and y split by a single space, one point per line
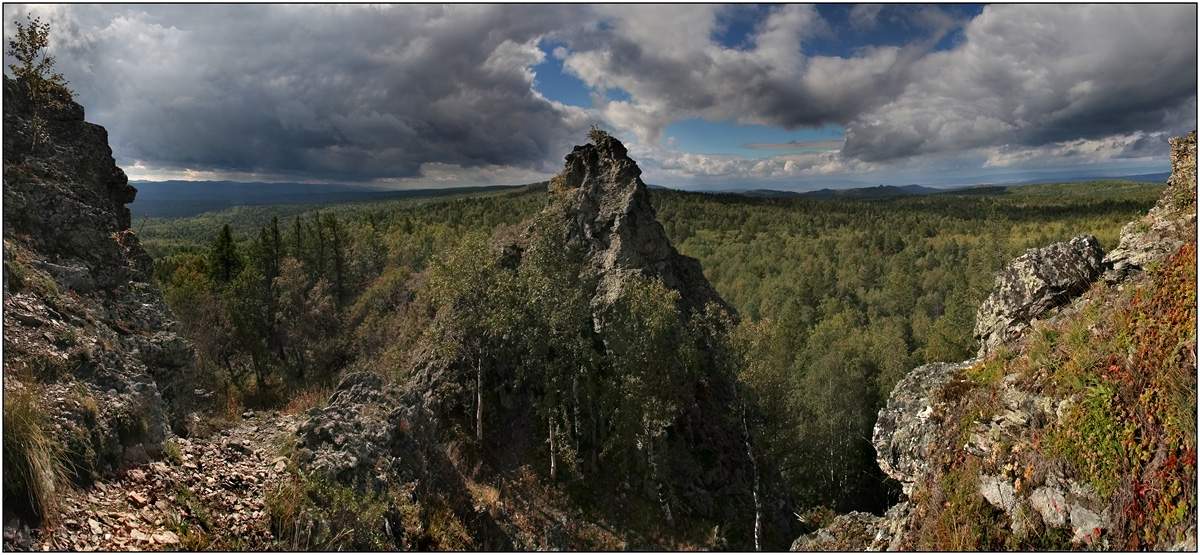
33 467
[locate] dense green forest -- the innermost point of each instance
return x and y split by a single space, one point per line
838 298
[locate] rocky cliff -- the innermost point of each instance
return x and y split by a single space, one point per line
85 331
607 209
1075 427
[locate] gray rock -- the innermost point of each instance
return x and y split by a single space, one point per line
904 430
1162 231
86 288
608 210
1051 503
1032 284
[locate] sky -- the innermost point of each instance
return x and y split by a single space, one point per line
706 97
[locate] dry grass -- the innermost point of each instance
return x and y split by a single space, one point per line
33 467
310 397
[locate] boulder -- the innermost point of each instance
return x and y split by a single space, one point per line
1033 283
904 429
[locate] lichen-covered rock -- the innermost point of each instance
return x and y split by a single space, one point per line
858 531
608 210
903 430
1162 231
1033 283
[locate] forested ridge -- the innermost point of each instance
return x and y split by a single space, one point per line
839 298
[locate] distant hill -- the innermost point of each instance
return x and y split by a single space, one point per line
180 199
883 191
860 192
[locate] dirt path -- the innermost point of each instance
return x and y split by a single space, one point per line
214 491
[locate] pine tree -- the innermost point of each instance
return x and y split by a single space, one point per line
224 260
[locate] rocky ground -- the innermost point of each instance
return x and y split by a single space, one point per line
214 484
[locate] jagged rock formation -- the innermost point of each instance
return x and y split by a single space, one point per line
953 432
698 469
1033 283
608 209
81 317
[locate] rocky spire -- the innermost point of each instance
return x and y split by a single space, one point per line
608 209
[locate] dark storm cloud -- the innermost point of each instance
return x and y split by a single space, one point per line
320 92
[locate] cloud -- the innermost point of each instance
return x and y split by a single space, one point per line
1037 75
797 145
338 92
864 17
404 93
665 57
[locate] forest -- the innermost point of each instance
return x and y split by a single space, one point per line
838 299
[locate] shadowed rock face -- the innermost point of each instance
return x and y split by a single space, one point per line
81 315
1033 283
608 210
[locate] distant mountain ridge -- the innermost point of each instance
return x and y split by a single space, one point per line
178 199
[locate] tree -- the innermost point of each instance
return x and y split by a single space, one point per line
36 70
224 260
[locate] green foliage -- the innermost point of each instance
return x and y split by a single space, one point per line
309 513
33 467
35 69
35 64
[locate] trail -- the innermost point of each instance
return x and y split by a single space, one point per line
216 490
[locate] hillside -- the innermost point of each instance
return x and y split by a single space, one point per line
1074 426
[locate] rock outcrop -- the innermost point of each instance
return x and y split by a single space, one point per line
695 466
1034 283
608 209
904 431
1152 238
946 423
82 319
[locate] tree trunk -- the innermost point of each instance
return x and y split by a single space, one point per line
479 400
553 454
757 497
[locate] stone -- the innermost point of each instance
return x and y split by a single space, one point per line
903 430
139 500
1033 283
1051 504
607 209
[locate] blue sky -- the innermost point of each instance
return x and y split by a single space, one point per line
707 96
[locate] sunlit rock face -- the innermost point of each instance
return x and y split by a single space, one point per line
607 207
1162 231
1033 283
